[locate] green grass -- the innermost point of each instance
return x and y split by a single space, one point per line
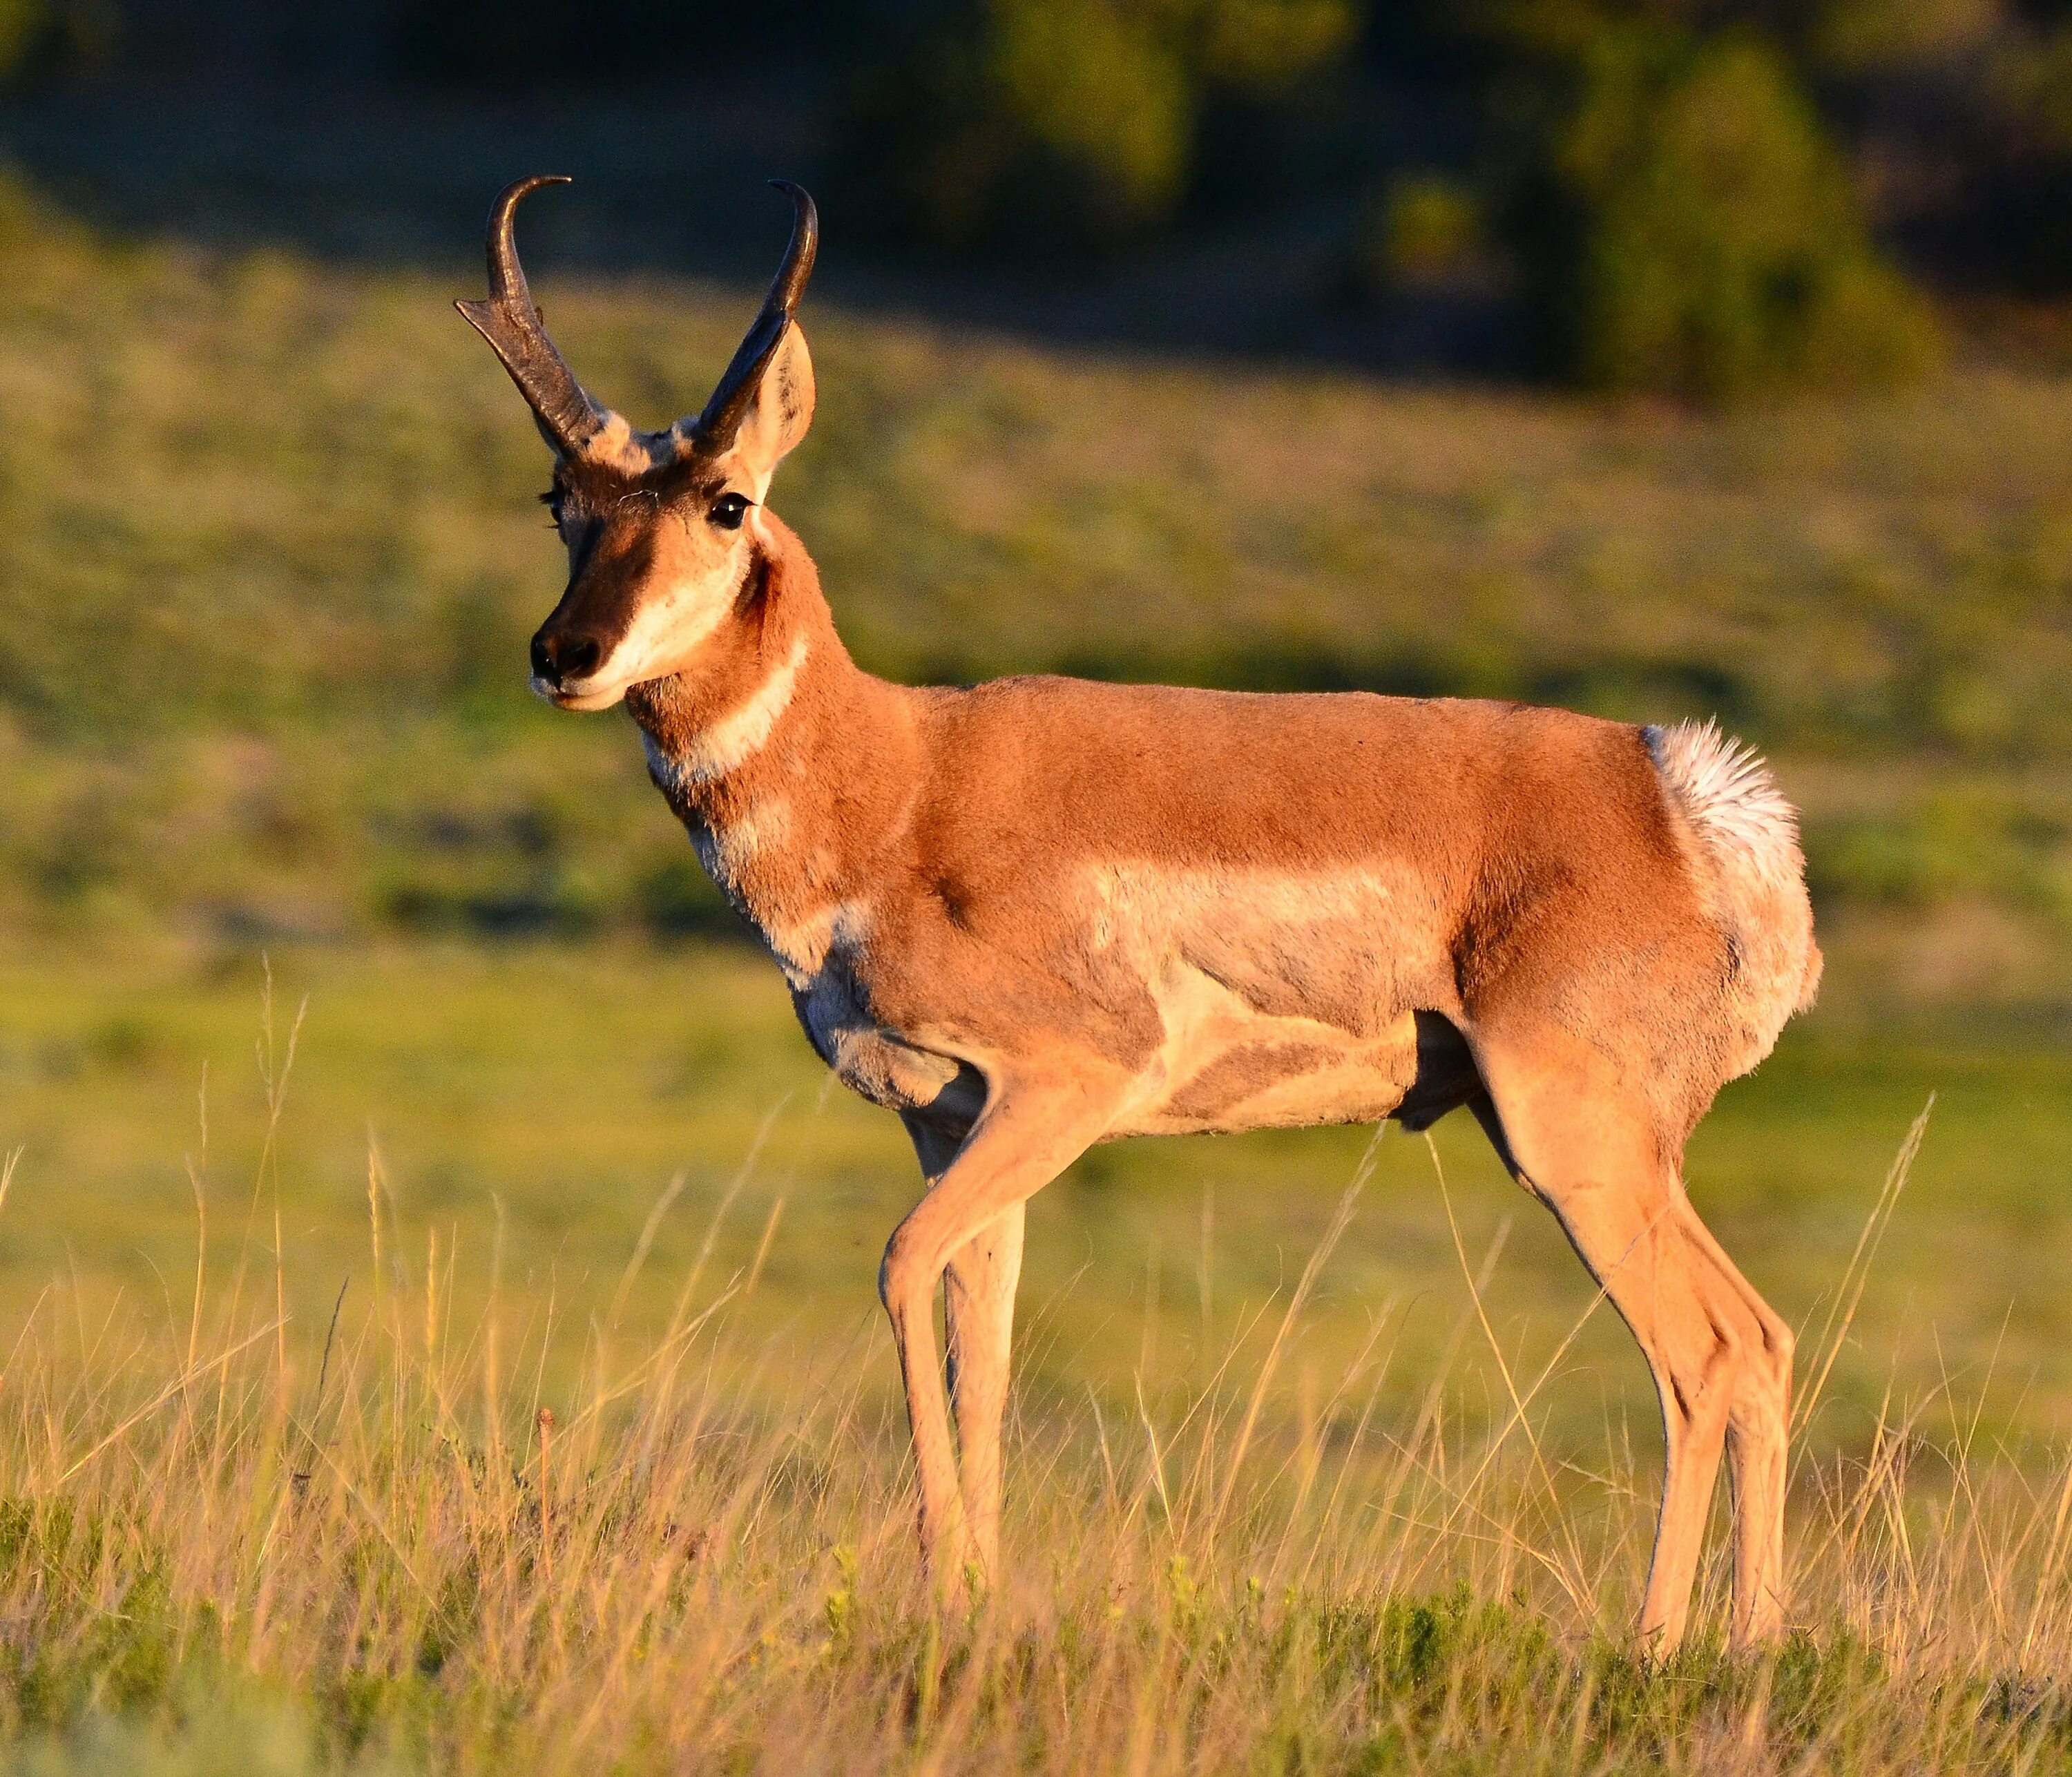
1387 1575
561 1090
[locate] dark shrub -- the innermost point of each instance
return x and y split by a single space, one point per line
1036 126
1685 227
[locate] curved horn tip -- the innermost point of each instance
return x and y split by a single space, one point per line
532 181
801 199
805 247
508 318
508 199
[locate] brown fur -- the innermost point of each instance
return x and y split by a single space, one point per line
1042 913
1160 910
1503 844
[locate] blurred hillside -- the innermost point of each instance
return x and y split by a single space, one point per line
270 559
1712 198
1099 395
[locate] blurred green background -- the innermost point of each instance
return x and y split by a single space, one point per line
1657 360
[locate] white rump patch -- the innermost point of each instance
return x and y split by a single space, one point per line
1726 789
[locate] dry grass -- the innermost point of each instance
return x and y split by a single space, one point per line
239 1534
249 1532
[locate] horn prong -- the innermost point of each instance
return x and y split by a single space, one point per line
714 429
509 319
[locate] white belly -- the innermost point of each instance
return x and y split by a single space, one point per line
1285 999
1226 1067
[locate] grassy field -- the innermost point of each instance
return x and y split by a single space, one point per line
562 1090
288 1271
611 1184
231 1530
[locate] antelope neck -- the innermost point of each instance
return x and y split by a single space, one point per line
774 737
707 724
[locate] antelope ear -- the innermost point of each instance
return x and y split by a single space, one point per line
779 416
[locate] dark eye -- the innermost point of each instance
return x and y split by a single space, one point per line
728 511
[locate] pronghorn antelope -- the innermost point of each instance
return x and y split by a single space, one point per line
1041 913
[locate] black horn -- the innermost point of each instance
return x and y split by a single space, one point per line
514 329
714 430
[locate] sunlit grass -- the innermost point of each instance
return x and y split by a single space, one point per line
559 1091
383 1534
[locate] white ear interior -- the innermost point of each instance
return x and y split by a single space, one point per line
782 412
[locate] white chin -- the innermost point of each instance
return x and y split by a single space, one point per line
602 697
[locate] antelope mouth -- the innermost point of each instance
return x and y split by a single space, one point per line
583 696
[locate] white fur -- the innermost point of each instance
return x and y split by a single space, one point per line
1726 789
667 629
1236 959
730 741
1758 877
631 453
758 828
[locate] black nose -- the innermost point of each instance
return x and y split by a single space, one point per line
561 654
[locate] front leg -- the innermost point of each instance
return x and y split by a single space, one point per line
979 1298
979 1311
1029 1132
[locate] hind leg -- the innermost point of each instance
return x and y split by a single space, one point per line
1578 1138
1758 1443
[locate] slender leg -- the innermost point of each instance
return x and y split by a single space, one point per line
1029 1132
1758 1446
979 1305
1598 1162
979 1296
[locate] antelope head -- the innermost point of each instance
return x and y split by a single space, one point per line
659 526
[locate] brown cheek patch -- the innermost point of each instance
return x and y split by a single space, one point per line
611 570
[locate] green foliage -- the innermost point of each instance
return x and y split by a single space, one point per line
1030 125
1861 37
2036 85
1092 90
41 39
1423 228
22 23
1686 228
1261 48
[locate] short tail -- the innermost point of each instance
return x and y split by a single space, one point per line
1750 835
